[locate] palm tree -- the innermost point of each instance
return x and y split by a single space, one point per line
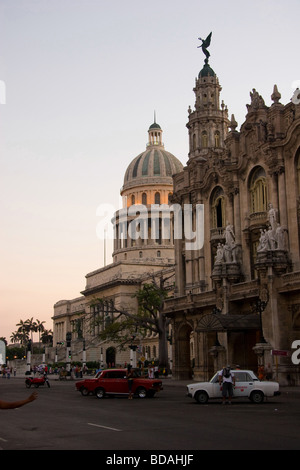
15 337
32 327
23 329
27 327
20 336
47 336
40 328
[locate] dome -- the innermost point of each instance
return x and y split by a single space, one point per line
207 71
155 126
153 166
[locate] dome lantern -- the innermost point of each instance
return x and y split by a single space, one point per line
151 172
155 134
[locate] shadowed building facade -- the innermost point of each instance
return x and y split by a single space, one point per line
237 297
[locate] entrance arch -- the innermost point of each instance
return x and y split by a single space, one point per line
183 367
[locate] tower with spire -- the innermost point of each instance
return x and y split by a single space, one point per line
208 122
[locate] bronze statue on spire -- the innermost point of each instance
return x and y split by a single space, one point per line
205 44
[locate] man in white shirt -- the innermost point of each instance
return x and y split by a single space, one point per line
227 381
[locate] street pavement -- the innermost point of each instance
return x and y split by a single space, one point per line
62 419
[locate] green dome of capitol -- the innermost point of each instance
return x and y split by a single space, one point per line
154 165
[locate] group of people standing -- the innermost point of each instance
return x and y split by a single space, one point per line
7 372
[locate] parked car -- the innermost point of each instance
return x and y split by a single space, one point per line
246 385
114 382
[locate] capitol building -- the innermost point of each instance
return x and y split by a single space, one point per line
148 181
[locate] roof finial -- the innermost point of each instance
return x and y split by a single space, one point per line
154 116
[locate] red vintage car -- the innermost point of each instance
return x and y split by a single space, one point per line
114 382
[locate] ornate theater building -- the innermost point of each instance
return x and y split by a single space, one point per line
237 297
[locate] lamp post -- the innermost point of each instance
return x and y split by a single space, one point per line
29 345
133 349
259 306
83 354
170 339
68 351
101 358
217 351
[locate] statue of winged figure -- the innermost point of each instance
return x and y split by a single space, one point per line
205 44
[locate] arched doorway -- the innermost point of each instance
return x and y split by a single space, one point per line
183 366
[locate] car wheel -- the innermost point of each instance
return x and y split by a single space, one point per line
28 384
141 392
84 391
100 393
201 397
257 397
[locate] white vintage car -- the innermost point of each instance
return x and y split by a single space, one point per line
246 385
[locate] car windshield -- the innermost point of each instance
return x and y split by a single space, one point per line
215 378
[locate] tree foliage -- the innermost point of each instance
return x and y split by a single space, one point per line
126 326
26 329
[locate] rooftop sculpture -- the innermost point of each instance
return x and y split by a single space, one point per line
205 44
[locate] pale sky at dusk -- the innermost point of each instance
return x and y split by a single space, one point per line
82 81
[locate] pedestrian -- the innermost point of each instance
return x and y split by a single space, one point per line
6 405
261 373
129 375
227 382
150 372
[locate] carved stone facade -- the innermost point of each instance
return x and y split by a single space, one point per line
237 297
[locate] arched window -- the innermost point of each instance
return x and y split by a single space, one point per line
133 199
194 141
258 191
217 139
157 198
144 199
204 140
218 209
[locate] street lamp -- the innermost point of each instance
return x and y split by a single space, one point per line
83 354
259 306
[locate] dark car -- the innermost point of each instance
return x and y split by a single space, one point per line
114 382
